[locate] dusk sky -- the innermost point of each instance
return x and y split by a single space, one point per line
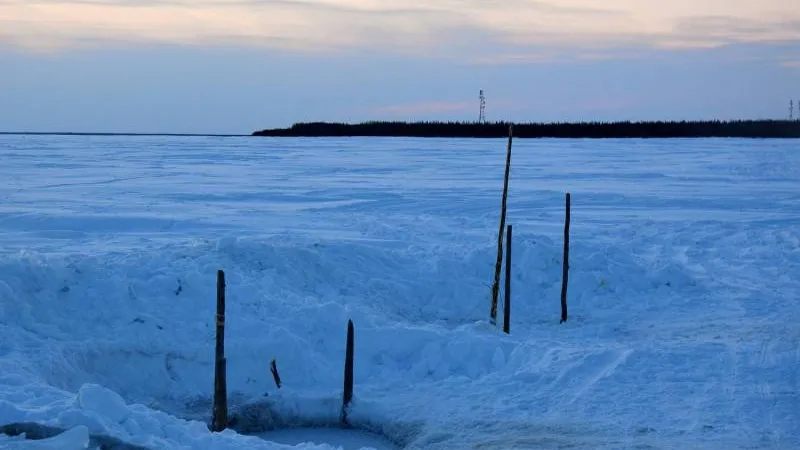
234 66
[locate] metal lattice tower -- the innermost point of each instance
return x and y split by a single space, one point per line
482 114
791 109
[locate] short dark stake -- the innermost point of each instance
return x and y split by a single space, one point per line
507 304
565 273
219 420
273 367
348 372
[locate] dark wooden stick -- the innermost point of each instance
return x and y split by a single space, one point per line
499 262
275 376
507 304
565 272
348 371
219 419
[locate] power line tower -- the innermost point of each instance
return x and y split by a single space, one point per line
482 114
791 109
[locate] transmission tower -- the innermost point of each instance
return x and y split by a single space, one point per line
482 114
791 109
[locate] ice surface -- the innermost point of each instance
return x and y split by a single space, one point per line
683 329
73 439
346 439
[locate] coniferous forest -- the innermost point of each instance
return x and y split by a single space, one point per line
656 129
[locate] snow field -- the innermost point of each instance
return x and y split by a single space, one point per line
683 309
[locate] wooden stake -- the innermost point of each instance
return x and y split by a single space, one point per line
565 272
275 376
507 304
348 371
499 262
219 419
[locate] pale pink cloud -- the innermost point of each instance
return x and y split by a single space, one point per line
555 55
413 26
425 108
519 57
422 110
606 105
793 64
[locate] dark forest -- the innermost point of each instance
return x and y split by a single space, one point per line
658 129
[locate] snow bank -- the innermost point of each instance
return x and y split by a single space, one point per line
141 324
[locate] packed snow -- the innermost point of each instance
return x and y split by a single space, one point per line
684 327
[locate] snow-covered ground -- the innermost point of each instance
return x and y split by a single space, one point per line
684 293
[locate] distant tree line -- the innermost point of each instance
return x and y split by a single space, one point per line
656 129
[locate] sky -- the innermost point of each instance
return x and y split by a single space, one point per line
236 66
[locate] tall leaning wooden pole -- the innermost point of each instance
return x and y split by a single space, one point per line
499 262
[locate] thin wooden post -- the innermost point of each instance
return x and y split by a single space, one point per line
507 304
499 262
273 367
219 419
348 371
565 272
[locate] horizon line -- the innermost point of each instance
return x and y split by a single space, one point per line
472 122
112 133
